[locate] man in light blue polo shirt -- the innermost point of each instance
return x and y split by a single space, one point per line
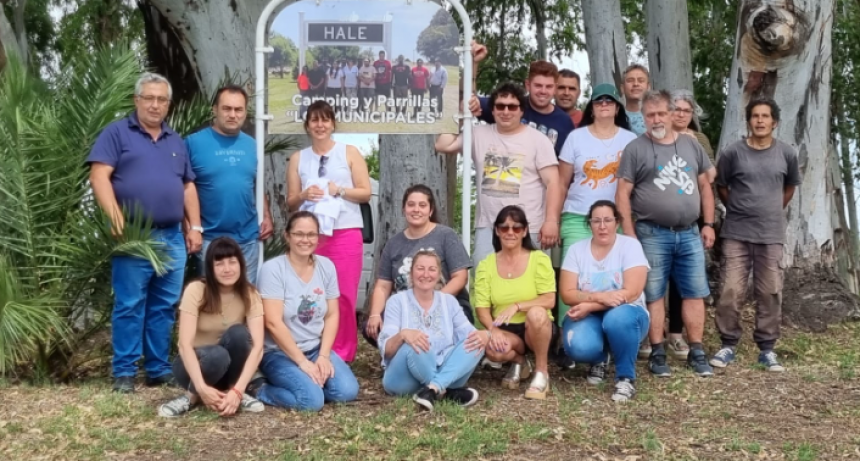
139 164
224 161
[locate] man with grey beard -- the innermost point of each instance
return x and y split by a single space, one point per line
664 184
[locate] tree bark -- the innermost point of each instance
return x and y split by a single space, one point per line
13 38
538 12
783 52
848 185
668 44
605 41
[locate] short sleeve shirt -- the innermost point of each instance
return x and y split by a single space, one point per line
210 326
149 174
497 293
665 179
608 274
637 122
756 180
305 304
595 165
556 125
508 173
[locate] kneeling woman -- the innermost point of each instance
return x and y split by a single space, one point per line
514 293
602 279
429 348
220 336
300 296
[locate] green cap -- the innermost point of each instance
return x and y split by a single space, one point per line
606 89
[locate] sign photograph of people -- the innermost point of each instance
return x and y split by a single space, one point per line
385 66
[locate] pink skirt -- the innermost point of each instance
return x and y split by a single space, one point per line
346 250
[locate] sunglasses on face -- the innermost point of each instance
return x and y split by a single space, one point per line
505 228
604 101
510 107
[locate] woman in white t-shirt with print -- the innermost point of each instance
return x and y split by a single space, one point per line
602 279
588 163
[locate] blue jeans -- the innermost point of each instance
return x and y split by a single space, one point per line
621 328
676 254
251 252
287 386
143 312
408 371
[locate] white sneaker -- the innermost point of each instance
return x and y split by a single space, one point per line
251 405
176 407
489 363
624 390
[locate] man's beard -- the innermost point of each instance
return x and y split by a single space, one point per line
658 133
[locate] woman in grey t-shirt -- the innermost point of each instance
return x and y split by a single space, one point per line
423 232
300 301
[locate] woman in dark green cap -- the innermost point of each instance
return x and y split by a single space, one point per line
588 163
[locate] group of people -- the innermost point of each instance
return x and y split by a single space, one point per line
359 85
585 221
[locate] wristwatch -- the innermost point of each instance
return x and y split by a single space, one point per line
341 192
197 228
709 224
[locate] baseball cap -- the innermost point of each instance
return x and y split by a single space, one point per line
606 89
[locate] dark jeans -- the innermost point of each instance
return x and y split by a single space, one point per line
676 320
467 311
419 97
436 94
221 364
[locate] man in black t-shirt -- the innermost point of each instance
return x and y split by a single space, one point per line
316 76
401 75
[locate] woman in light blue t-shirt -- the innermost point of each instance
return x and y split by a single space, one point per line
300 301
603 279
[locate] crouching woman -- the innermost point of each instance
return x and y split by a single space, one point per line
429 348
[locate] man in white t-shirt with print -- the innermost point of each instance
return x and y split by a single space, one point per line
515 165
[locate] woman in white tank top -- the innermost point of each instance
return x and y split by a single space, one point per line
329 170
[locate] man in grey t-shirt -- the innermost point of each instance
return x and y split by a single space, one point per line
756 180
664 183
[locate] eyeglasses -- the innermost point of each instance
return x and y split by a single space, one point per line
505 228
510 107
604 101
323 161
149 99
302 235
684 111
598 221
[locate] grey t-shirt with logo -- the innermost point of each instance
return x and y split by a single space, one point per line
305 304
665 179
756 180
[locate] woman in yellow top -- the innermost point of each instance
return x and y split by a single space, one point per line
220 336
514 294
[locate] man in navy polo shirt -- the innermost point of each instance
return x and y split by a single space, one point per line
224 161
139 164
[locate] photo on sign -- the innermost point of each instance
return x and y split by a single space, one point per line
385 66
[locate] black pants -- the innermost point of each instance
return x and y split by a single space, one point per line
467 311
221 364
418 94
676 319
436 94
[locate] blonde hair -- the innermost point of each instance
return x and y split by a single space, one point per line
433 254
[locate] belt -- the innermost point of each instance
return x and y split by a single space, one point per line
671 228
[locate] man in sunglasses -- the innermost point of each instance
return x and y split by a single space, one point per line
539 111
664 181
515 165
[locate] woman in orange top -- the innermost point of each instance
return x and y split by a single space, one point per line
304 84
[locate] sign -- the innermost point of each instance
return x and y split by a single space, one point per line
321 32
384 66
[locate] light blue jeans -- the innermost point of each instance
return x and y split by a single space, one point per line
143 312
251 252
620 328
409 371
287 386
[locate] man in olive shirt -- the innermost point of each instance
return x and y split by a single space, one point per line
756 180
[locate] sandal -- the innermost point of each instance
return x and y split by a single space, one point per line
678 348
539 386
516 373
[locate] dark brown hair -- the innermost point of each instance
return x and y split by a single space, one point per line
543 68
223 248
229 89
292 222
431 200
603 203
518 216
319 109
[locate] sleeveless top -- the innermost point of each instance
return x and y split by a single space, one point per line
334 81
337 171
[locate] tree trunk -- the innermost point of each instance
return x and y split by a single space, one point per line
605 41
783 52
13 35
668 44
848 185
538 12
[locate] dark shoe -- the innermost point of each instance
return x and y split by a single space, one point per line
464 396
254 386
657 364
426 397
163 380
698 361
124 385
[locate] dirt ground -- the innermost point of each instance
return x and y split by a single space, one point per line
810 412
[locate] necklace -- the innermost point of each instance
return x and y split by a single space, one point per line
611 138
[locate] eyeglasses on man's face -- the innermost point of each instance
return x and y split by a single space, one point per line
150 99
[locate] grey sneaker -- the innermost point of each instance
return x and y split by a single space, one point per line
596 373
723 357
657 364
770 362
251 405
624 390
176 407
698 361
